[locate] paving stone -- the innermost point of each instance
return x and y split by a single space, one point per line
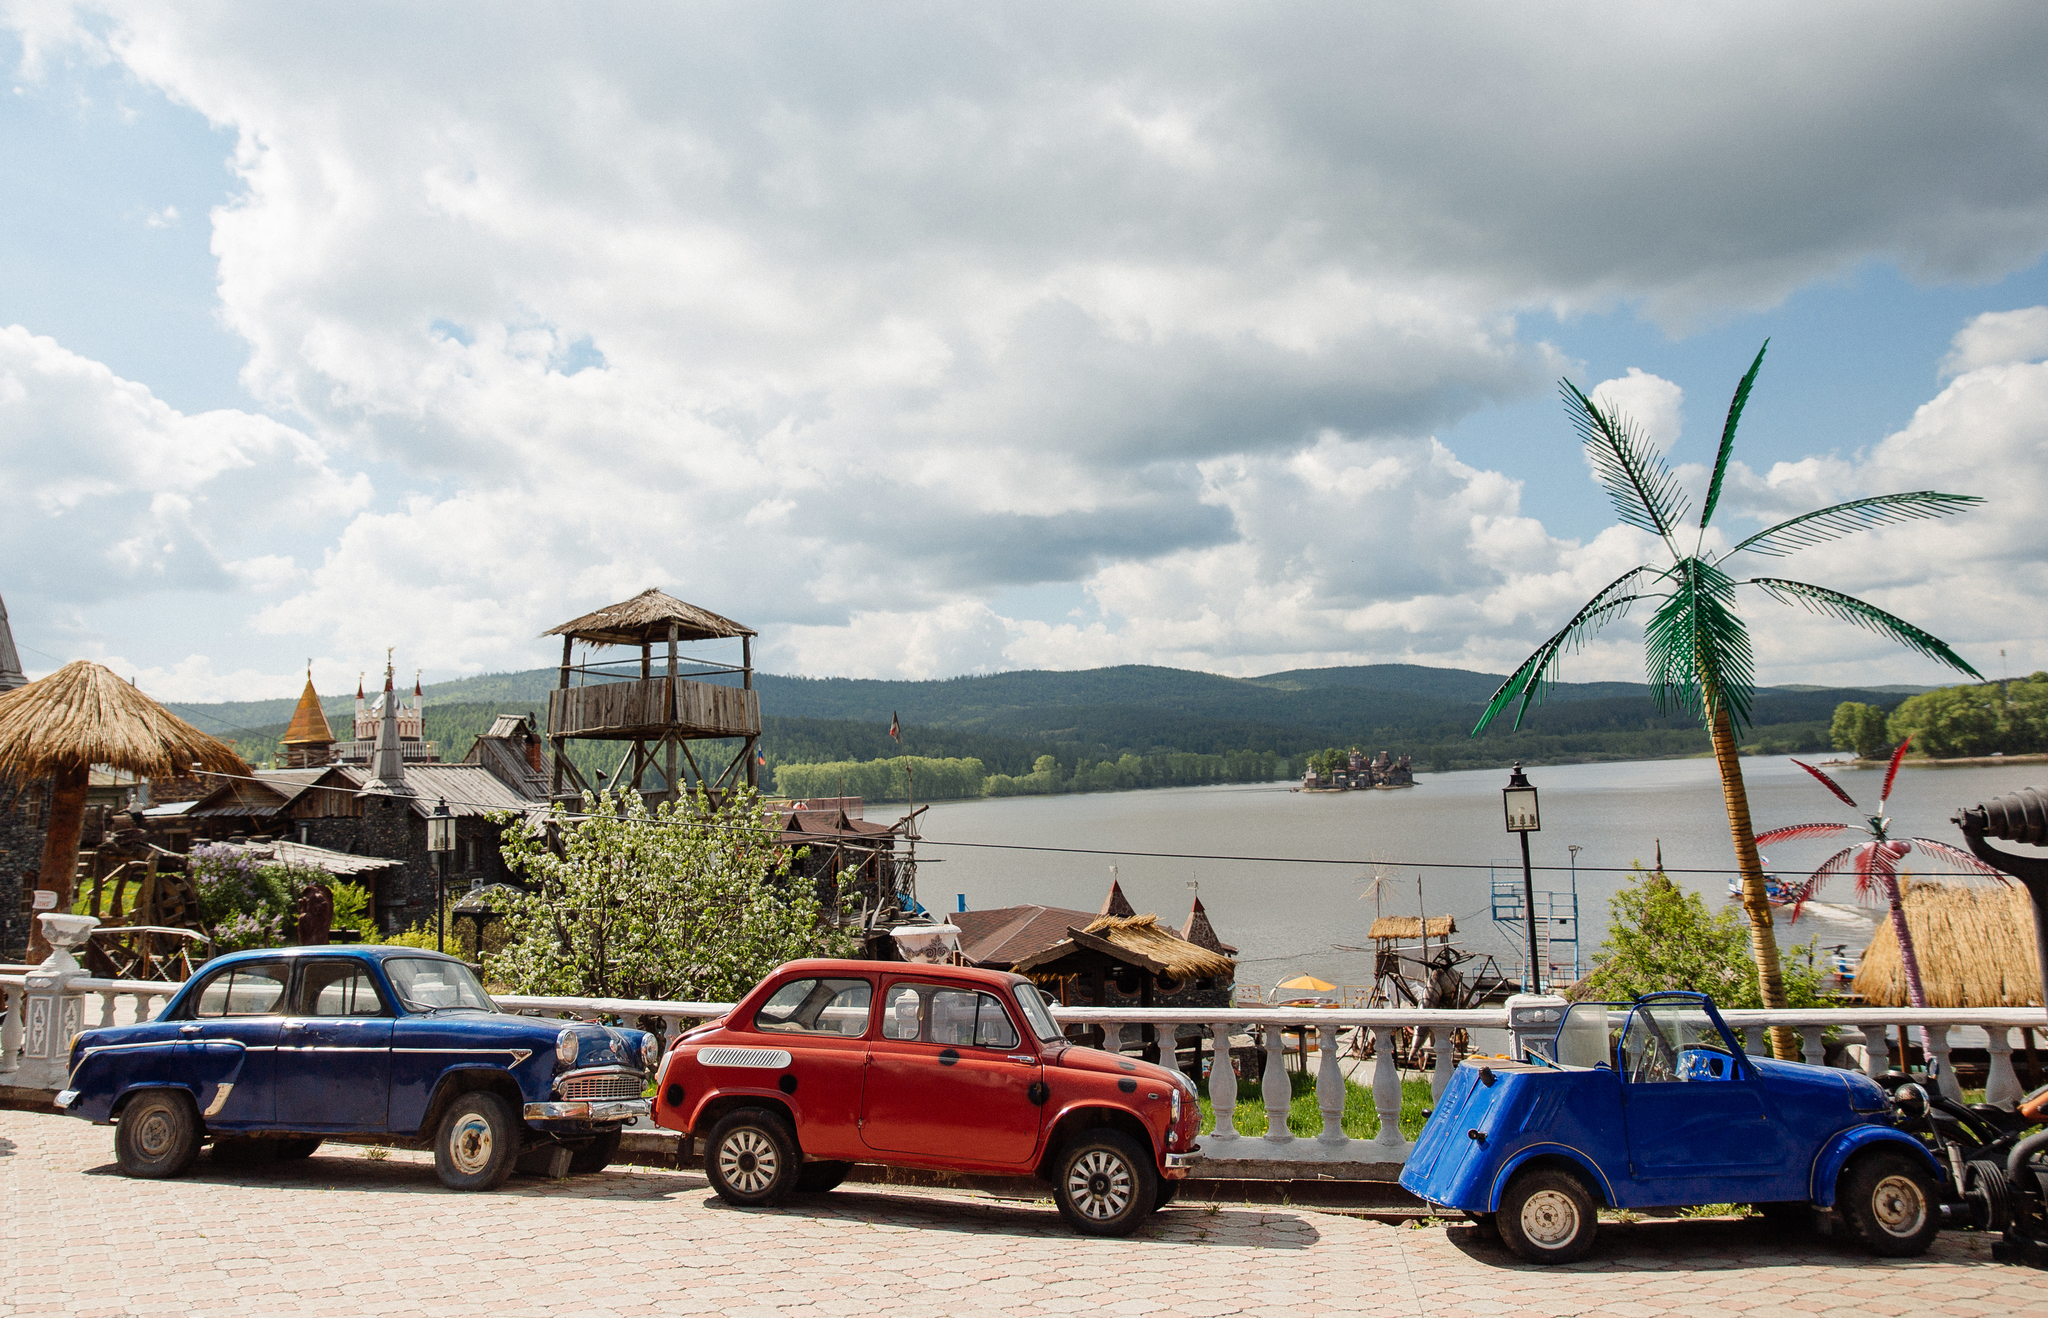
347 1235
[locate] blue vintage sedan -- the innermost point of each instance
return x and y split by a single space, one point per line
1653 1104
272 1052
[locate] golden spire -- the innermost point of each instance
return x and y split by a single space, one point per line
309 721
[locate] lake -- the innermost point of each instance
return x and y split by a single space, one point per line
1285 918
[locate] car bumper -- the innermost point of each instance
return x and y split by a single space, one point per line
586 1110
1184 1161
64 1099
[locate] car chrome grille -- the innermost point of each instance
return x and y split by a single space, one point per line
601 1084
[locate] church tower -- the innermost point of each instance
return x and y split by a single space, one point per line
11 675
308 742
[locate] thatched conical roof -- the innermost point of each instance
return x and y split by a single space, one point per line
1975 944
309 721
84 714
645 619
1144 935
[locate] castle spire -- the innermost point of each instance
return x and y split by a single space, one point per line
11 675
388 758
308 741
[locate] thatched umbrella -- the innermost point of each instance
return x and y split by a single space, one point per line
83 715
1976 946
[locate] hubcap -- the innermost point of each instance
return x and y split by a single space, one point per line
747 1161
155 1134
469 1145
1899 1205
1099 1184
1550 1219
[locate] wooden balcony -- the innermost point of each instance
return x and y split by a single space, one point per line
641 710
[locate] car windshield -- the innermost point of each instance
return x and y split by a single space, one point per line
430 984
1035 1014
1674 1040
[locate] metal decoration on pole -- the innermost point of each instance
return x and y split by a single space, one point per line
440 841
1518 802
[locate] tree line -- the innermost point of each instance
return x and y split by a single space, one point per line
1990 718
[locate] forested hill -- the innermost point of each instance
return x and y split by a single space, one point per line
1009 718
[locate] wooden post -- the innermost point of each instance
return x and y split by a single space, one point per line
747 684
670 708
561 743
60 848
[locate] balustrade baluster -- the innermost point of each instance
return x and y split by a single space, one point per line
1756 1040
1935 1040
1446 1061
1279 1095
2003 1084
106 1010
1330 1086
1815 1048
1386 1091
1880 1059
10 1030
1113 1038
1222 1083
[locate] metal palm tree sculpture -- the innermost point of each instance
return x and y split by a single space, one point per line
1876 862
1695 644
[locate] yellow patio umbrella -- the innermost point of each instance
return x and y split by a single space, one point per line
1307 983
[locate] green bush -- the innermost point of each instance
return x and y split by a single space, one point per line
1663 937
2008 718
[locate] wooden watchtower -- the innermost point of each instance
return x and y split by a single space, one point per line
655 712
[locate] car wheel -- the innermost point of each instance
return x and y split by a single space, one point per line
1168 1191
1105 1183
1547 1216
818 1177
1890 1200
295 1150
477 1144
596 1155
751 1159
158 1135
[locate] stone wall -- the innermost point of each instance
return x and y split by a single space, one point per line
24 818
389 828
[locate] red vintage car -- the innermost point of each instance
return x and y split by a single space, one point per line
830 1063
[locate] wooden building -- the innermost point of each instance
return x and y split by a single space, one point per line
660 716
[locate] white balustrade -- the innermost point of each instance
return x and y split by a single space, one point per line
1275 1087
10 1025
1222 1083
2003 1086
1330 1086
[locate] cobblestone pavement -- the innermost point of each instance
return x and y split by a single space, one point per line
346 1234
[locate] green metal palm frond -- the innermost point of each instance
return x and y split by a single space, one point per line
1834 604
1696 648
1842 519
1735 406
1534 678
1644 492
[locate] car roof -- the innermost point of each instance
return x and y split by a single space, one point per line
966 974
365 951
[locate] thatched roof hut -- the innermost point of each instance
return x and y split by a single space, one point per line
1137 941
79 716
644 620
1975 944
1410 926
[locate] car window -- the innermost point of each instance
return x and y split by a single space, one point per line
1036 1014
430 984
254 989
951 1016
1674 1042
818 1006
338 988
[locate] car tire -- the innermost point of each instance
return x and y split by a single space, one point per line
1547 1216
157 1135
477 1142
595 1156
1105 1183
818 1177
1168 1191
1892 1202
296 1150
751 1159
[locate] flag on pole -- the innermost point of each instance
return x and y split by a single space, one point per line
895 728
761 758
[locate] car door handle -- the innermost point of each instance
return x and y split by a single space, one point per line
189 1029
295 1025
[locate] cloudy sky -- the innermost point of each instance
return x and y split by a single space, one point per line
938 339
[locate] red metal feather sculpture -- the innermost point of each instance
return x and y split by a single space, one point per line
1875 863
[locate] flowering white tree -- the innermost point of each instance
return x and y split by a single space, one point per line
692 901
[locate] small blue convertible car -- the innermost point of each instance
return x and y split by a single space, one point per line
271 1052
1653 1104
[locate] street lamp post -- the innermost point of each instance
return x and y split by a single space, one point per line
440 841
1518 801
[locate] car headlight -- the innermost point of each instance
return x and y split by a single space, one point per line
650 1050
1911 1101
1174 1094
566 1047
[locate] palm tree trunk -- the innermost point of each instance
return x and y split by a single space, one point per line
60 848
1763 938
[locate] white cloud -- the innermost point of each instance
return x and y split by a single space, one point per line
162 219
1998 338
847 322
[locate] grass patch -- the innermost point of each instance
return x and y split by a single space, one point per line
1359 1121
